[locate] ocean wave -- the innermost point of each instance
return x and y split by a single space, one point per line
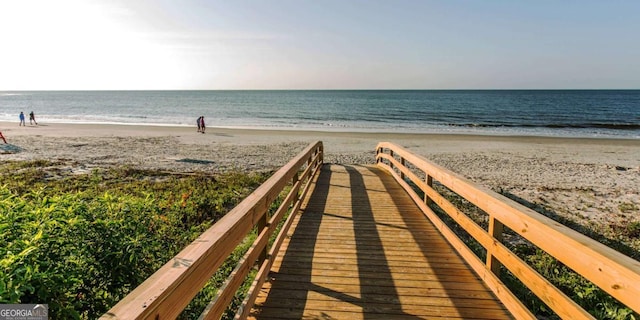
559 113
610 126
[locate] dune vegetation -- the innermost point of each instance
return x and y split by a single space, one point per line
80 241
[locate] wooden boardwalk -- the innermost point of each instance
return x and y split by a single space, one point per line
361 249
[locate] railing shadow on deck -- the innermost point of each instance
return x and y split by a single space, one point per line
613 272
170 289
303 240
369 245
451 290
297 262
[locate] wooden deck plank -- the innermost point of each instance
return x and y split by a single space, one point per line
361 249
418 289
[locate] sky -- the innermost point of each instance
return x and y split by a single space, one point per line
319 44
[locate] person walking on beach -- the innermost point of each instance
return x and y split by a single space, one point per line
198 123
201 124
22 122
32 117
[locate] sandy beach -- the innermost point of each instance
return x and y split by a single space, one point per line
595 182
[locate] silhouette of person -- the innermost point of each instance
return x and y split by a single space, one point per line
22 122
32 118
202 126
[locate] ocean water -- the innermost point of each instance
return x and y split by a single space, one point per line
576 113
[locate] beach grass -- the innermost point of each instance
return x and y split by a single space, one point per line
81 242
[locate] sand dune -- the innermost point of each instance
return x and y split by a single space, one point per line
592 181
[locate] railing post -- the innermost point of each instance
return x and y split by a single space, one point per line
429 180
295 179
403 165
262 223
390 162
496 228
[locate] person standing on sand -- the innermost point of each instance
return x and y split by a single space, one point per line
32 117
22 122
201 124
198 123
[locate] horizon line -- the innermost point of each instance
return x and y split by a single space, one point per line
361 89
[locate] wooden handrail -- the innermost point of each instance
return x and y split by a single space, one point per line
610 270
170 289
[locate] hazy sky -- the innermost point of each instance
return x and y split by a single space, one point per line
319 44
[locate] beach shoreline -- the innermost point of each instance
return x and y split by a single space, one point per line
32 140
592 181
151 130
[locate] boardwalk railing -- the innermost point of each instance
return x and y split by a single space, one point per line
167 292
610 270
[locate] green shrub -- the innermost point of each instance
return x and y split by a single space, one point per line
80 243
